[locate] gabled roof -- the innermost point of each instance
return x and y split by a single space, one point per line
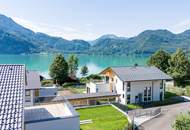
12 82
139 73
33 80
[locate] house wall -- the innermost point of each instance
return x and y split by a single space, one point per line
70 123
139 87
118 88
98 87
92 87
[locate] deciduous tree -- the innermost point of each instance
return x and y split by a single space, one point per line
73 65
84 70
179 67
160 60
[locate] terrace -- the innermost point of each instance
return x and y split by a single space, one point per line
59 116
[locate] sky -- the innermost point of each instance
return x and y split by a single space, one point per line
89 19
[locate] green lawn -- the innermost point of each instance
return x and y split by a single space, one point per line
103 117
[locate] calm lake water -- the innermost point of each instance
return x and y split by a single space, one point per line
95 64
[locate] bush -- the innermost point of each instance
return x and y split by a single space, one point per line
90 77
187 92
182 122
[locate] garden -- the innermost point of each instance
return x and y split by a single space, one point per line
103 118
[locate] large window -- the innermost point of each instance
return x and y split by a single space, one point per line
147 94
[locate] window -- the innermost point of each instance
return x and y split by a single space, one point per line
128 99
128 86
136 99
149 91
96 89
123 86
123 95
145 92
27 93
161 85
107 79
27 100
112 79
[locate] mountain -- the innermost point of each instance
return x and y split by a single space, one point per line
146 42
16 39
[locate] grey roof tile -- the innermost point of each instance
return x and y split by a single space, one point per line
12 80
140 73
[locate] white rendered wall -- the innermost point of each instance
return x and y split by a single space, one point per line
71 123
92 87
139 87
101 87
119 89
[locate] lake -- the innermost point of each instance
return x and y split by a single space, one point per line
95 64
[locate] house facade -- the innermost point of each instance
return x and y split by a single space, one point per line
136 84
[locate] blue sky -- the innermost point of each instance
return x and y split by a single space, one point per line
89 19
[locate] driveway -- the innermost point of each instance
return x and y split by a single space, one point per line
166 119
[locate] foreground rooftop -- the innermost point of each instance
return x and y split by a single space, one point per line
12 82
47 112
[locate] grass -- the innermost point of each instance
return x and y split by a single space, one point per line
103 118
73 87
76 90
133 106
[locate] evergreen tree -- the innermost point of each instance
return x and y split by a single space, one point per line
160 60
179 67
73 65
59 69
84 70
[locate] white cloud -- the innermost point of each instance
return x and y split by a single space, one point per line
66 32
181 26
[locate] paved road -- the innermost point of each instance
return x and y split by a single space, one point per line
164 121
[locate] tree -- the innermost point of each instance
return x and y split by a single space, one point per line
160 60
59 69
73 65
179 67
84 70
182 122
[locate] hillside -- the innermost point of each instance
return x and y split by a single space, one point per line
15 39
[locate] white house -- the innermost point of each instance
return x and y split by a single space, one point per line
134 84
